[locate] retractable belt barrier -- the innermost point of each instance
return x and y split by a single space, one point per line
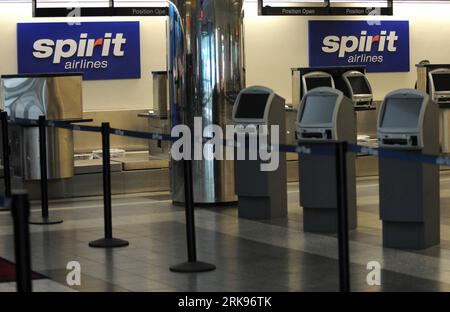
333 149
438 160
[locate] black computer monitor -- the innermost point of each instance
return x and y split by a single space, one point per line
317 82
441 82
252 105
359 85
401 113
318 109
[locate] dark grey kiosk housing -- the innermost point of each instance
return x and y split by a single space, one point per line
325 116
261 194
409 191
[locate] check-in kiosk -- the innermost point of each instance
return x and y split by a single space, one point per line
261 194
359 89
317 79
320 77
439 80
409 191
434 80
325 116
439 89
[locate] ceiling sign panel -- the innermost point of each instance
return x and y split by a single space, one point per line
325 7
83 8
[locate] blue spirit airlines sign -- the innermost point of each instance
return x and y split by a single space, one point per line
380 46
100 50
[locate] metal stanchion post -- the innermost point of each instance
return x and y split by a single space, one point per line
343 237
5 156
45 219
20 212
192 265
108 241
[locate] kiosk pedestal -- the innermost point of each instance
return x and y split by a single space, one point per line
318 191
261 194
409 204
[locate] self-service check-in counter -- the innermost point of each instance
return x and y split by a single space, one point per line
434 79
55 96
317 79
261 194
325 116
439 89
409 191
358 89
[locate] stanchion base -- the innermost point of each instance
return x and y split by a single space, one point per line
44 221
192 267
109 243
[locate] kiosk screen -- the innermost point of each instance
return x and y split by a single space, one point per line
318 109
317 82
359 85
441 82
252 105
402 113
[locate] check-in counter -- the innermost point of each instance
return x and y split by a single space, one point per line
57 97
158 119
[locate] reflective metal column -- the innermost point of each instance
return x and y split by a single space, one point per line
206 73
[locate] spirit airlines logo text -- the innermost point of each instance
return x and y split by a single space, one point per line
361 47
63 49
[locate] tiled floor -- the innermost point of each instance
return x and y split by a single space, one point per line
250 255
